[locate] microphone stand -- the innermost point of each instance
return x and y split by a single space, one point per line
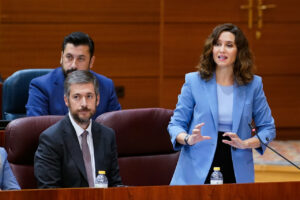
253 129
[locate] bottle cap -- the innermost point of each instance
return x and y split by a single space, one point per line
101 172
216 168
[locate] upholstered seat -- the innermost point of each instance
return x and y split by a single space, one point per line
15 92
146 155
21 142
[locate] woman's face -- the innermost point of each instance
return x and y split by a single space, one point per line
225 50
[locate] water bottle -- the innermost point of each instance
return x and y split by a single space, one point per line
101 180
216 177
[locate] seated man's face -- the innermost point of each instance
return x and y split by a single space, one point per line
82 102
76 58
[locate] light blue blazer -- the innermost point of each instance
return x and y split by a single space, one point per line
7 179
198 103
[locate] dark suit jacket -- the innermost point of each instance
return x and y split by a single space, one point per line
58 160
46 95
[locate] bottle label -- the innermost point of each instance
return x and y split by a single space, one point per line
216 182
100 185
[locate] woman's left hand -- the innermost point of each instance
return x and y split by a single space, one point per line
235 141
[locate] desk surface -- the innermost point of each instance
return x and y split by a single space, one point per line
279 190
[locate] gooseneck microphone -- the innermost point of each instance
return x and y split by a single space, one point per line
253 129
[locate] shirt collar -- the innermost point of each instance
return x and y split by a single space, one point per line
77 128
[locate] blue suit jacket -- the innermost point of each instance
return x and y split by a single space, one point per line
7 179
198 103
46 95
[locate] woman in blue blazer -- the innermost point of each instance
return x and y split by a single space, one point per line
7 179
211 121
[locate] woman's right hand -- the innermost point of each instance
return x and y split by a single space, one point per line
196 136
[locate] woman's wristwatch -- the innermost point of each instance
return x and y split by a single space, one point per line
186 138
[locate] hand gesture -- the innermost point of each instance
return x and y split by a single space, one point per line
235 141
196 136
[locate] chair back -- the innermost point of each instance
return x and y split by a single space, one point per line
146 155
15 92
21 142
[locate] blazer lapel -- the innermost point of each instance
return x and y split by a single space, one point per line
58 81
210 88
73 146
239 97
98 149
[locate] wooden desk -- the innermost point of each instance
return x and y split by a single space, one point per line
276 173
279 190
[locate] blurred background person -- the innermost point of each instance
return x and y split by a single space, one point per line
7 179
46 93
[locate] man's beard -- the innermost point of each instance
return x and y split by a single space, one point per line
82 120
66 72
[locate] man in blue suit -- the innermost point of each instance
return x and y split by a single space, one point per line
7 179
46 93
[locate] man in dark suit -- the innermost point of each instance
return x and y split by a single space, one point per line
64 157
46 93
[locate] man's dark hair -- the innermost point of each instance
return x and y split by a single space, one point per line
79 38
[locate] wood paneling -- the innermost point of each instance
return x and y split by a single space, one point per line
147 46
285 11
128 50
276 51
276 173
205 11
139 92
288 133
283 97
171 88
78 11
183 45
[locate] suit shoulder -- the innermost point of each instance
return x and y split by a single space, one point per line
102 79
257 80
192 75
45 79
193 78
103 128
54 131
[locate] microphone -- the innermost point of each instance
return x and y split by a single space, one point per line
253 129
